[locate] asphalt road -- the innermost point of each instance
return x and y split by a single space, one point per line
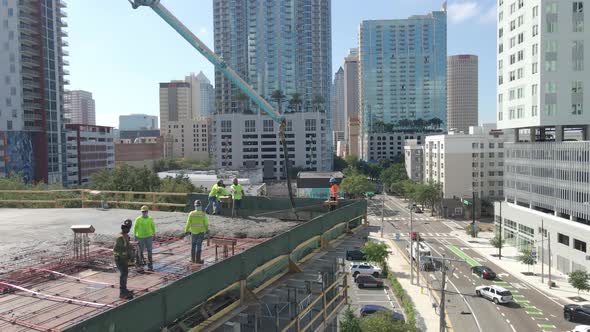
531 311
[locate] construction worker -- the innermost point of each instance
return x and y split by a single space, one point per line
197 225
145 232
213 194
237 192
221 192
122 254
333 192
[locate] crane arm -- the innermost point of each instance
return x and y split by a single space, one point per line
217 61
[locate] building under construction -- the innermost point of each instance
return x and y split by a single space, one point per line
55 277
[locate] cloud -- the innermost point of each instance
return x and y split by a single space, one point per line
462 11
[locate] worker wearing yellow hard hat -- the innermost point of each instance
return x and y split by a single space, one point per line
145 232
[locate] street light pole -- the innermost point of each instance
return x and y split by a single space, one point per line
411 244
500 244
382 213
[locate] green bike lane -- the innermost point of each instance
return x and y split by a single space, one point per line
531 311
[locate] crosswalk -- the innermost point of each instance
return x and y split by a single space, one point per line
404 235
375 217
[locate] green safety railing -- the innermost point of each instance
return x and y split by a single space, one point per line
158 309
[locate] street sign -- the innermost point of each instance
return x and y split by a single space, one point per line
397 236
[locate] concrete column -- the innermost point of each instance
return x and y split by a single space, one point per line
572 218
516 134
555 213
586 133
532 134
542 134
559 133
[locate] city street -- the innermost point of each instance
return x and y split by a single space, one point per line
531 311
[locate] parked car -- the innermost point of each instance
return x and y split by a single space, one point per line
427 264
416 236
367 280
494 293
581 328
577 312
417 209
483 272
368 309
364 268
355 255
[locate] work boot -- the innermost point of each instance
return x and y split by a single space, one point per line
199 260
126 295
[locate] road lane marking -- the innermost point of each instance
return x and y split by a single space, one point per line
528 306
463 255
538 313
503 314
547 326
540 318
512 327
518 296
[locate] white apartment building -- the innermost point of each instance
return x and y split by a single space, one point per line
414 160
463 163
388 146
242 140
542 75
187 139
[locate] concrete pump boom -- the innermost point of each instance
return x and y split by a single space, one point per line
220 64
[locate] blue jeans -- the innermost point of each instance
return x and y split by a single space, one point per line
196 243
212 201
146 243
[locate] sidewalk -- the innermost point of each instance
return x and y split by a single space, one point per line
426 317
509 262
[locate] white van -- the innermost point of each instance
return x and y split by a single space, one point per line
419 248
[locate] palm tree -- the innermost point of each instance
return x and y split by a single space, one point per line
318 103
404 123
278 96
295 102
242 100
436 122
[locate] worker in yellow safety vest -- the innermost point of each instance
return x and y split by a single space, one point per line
213 200
197 225
237 192
145 232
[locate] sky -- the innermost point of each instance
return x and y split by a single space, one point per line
120 54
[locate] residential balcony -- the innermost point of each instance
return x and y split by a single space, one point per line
28 40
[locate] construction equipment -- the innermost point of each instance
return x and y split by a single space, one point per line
220 64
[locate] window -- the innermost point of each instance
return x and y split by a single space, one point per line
580 245
512 75
578 16
500 32
520 4
551 17
520 112
519 73
520 20
512 8
550 109
551 87
577 87
500 116
534 89
500 98
550 65
578 55
535 30
512 59
535 11
500 145
577 109
563 239
310 125
268 126
512 25
491 154
520 93
226 126
512 94
500 16
535 49
500 64
521 37
250 126
512 42
534 110
500 48
535 68
10 12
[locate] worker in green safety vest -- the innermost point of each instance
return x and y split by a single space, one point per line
197 225
237 192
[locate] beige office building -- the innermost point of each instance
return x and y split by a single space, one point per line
462 93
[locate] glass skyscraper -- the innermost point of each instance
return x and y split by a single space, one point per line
403 69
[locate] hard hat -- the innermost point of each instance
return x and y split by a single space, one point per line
126 224
144 208
197 203
220 183
332 180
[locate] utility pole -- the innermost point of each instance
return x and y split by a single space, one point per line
473 213
411 244
442 324
549 247
500 249
542 253
418 259
382 212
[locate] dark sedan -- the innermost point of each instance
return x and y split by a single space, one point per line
484 272
368 309
367 280
577 313
355 255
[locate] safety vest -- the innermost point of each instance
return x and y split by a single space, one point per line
197 222
214 190
121 248
334 192
144 227
238 191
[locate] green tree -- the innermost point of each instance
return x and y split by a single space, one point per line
393 174
497 242
526 257
435 123
383 322
579 280
242 100
125 178
356 185
295 102
179 184
469 230
339 163
373 170
349 322
278 97
377 253
318 103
